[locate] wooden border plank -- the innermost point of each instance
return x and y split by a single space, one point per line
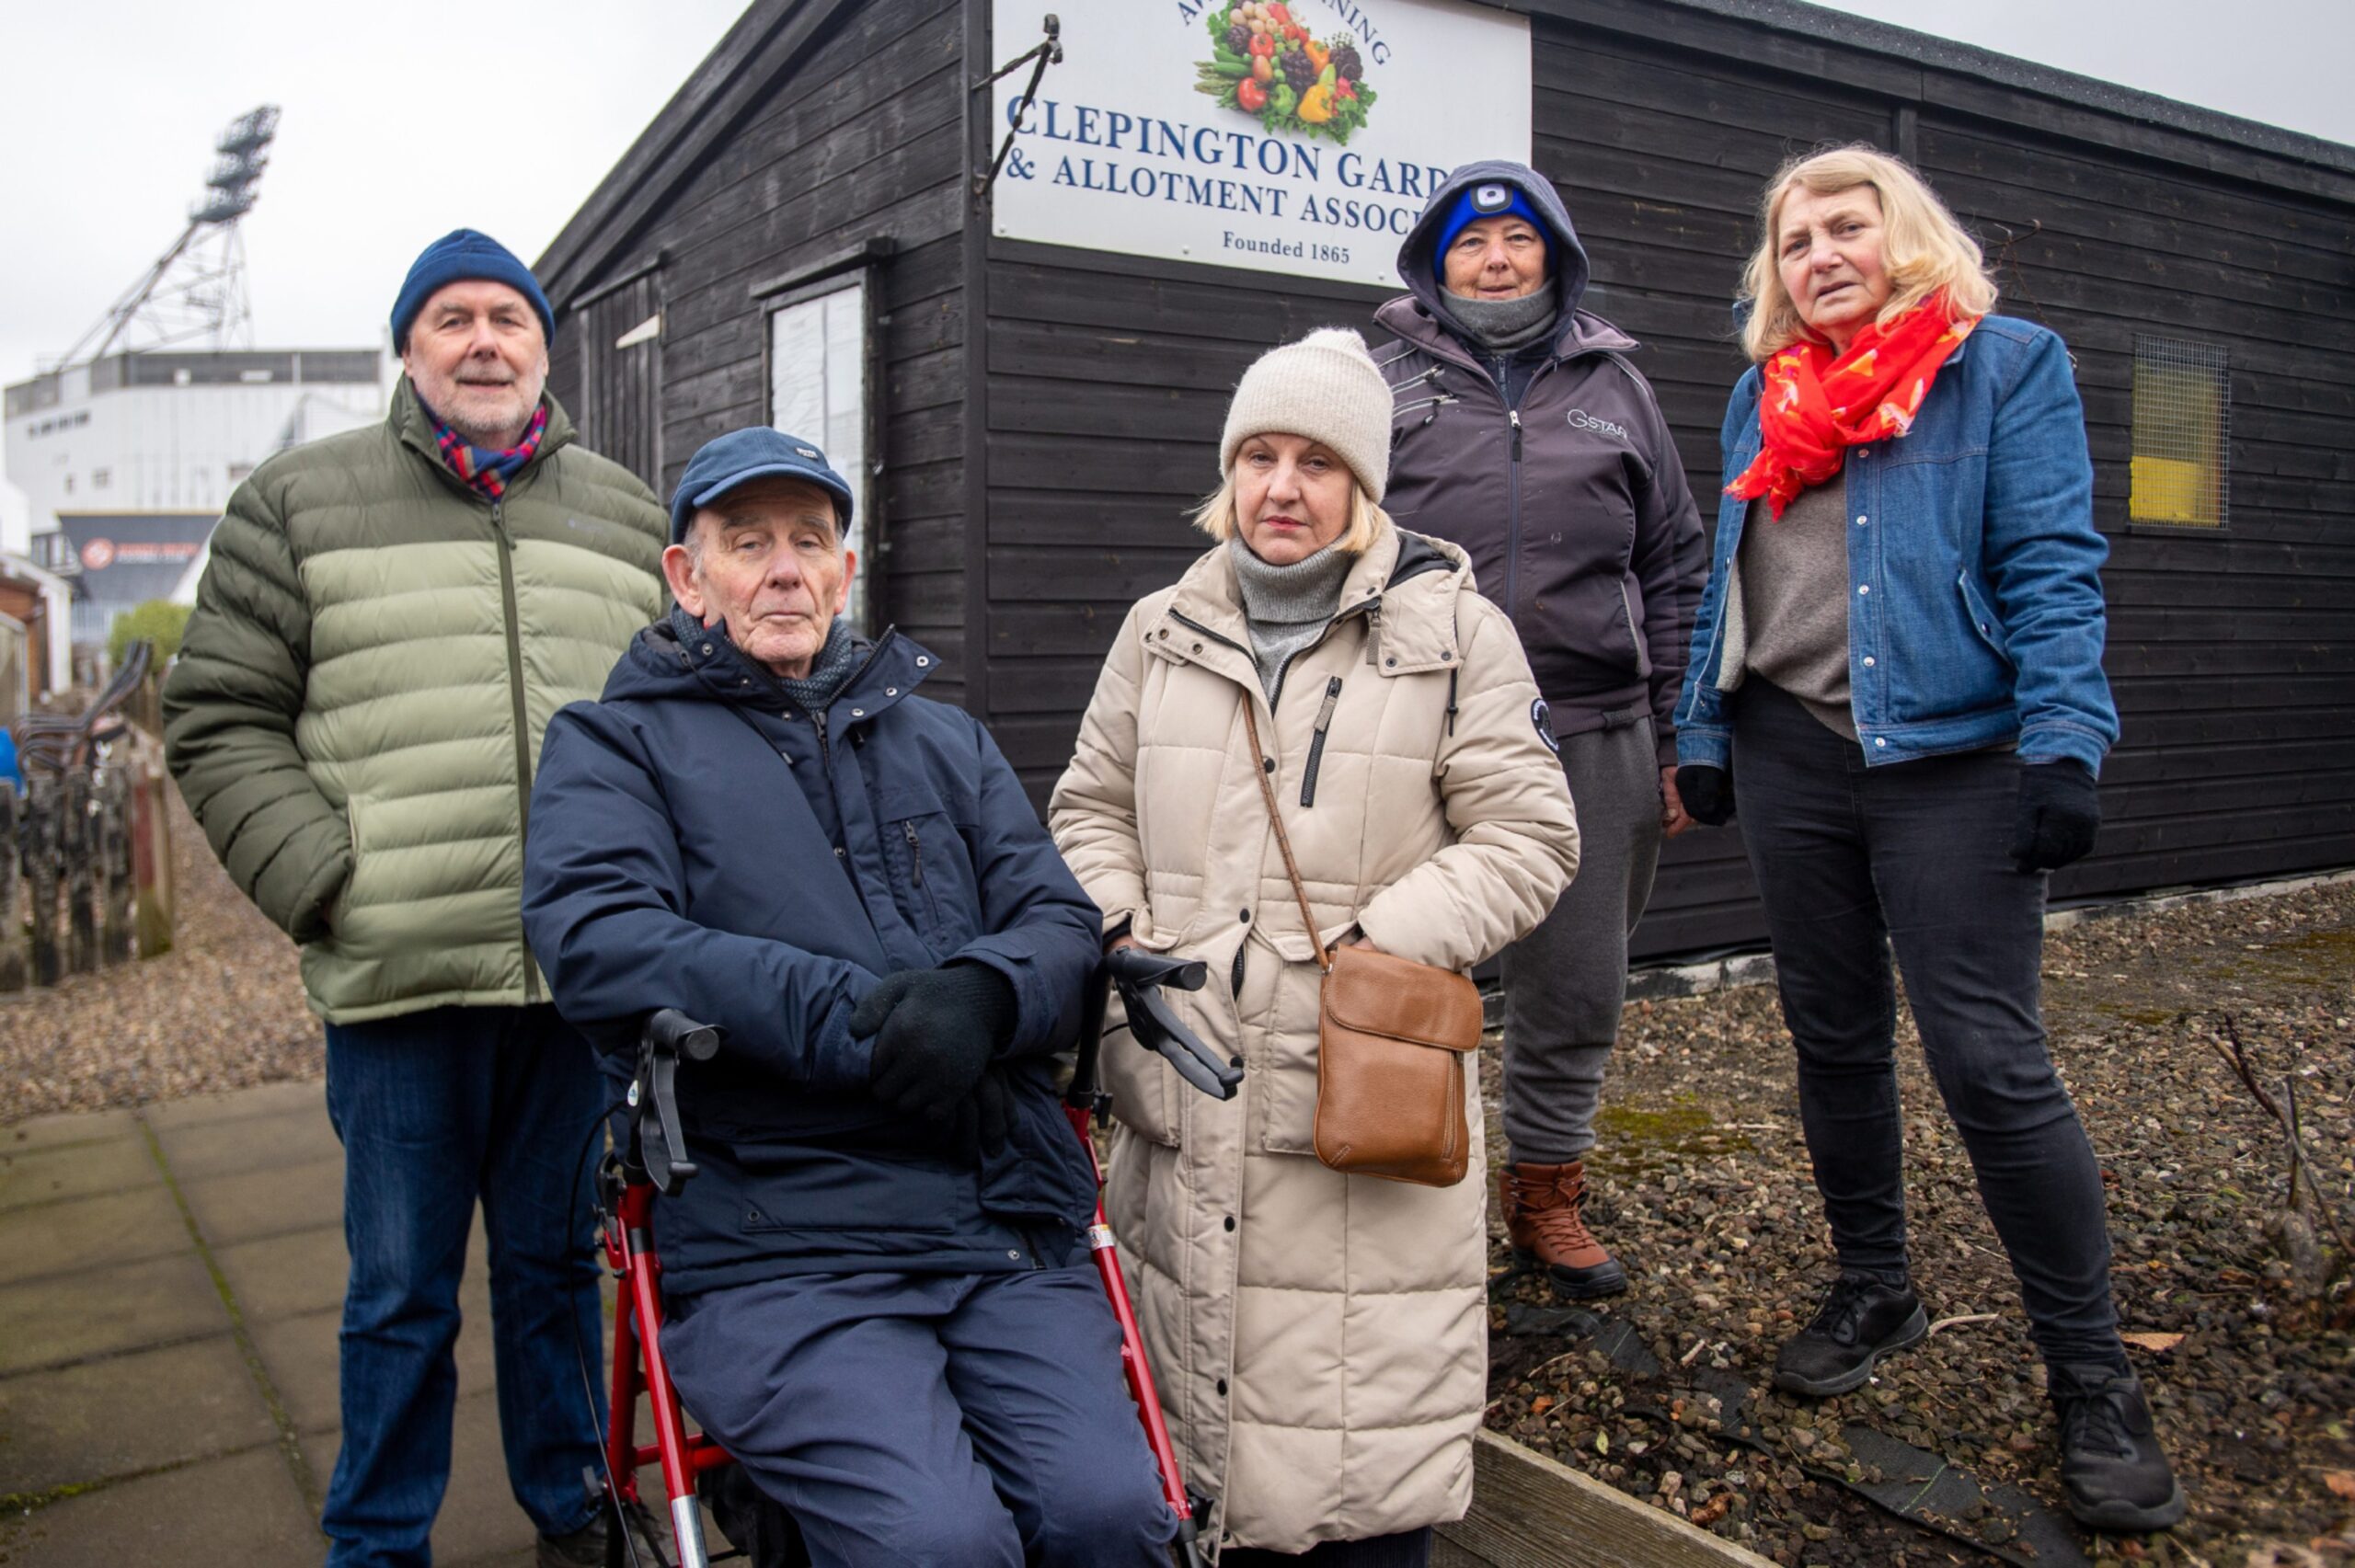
1532 1512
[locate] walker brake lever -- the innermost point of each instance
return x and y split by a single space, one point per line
669 1035
1140 977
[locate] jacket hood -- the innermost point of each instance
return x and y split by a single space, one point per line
668 661
1418 266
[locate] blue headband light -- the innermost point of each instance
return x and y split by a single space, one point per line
1489 199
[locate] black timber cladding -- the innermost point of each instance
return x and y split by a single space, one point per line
812 130
1099 384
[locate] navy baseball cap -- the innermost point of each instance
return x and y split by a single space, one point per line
729 461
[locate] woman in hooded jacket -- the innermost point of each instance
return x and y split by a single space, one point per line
1525 433
1319 1338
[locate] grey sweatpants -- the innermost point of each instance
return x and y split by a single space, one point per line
1565 981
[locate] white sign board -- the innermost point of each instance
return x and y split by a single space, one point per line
1301 137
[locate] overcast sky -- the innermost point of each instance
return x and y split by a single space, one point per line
398 127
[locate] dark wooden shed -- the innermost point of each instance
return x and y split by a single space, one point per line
1038 418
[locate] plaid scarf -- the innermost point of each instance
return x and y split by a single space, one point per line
490 470
1815 405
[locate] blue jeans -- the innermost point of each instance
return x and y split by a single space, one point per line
435 1110
1852 862
974 1420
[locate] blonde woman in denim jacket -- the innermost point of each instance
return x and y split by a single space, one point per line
1896 679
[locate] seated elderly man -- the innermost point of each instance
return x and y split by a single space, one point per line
880 1290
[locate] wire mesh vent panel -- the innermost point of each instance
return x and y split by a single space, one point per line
2183 417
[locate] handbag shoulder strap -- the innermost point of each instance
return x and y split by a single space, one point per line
1260 764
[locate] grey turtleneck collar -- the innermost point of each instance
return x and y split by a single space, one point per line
1286 608
1504 327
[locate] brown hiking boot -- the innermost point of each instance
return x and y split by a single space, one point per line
1546 1222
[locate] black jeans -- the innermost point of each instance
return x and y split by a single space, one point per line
1851 860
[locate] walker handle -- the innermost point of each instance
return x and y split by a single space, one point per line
668 1036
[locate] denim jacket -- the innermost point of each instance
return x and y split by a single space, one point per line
1975 607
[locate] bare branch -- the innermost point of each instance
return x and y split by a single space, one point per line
2236 1058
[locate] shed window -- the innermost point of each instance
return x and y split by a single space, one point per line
2183 414
817 390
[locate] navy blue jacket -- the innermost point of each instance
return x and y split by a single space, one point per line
699 842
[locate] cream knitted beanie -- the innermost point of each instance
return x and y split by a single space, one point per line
1324 387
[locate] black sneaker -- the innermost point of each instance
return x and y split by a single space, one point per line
2116 1476
1861 1320
583 1548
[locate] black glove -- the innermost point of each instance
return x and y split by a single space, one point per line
1707 793
935 1031
2059 815
985 1121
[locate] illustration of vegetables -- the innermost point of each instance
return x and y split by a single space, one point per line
1265 63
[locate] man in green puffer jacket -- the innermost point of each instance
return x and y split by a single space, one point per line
388 619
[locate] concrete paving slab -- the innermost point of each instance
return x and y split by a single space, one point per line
240 1512
271 1142
66 1127
82 1233
128 1307
74 1170
268 1100
128 1413
280 1275
299 1354
254 1204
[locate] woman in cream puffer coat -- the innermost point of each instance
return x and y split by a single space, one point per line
1320 1340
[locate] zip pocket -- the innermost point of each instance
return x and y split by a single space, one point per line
1316 742
924 908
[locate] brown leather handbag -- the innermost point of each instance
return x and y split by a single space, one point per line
1392 1039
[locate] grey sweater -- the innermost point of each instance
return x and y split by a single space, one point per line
1286 608
1794 599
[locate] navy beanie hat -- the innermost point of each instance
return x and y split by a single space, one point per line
1488 199
460 255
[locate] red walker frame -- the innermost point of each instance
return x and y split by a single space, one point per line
626 1228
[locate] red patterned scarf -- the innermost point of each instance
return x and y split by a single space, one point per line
1814 407
485 470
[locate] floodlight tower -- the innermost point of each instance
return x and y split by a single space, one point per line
197 289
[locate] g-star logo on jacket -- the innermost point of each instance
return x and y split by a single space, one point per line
1582 420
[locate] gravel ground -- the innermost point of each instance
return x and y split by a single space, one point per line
1702 1187
224 1009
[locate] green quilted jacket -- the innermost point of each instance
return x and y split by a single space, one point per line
375 652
